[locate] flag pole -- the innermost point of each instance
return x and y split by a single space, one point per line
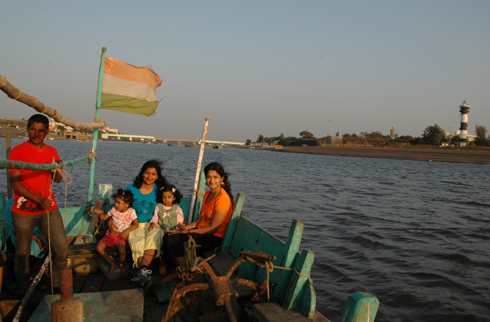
198 170
96 130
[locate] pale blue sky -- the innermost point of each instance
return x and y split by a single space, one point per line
258 67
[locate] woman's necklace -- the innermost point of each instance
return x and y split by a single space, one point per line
214 195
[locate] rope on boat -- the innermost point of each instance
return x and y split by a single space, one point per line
16 94
7 164
269 268
67 179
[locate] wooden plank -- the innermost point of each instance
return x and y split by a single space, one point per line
163 292
303 266
289 255
307 304
120 306
221 262
272 312
76 223
79 282
8 309
199 196
250 237
230 230
93 283
360 306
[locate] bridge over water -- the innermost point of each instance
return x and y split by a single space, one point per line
152 139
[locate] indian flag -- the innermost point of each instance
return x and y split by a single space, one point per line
129 89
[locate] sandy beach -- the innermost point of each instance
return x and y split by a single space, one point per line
458 155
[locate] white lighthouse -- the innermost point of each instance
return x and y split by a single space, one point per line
464 109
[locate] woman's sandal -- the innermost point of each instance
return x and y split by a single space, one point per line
170 278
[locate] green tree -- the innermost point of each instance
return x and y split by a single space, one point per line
406 138
433 134
372 135
260 138
287 141
248 142
481 133
306 135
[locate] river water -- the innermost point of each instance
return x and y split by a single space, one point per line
414 234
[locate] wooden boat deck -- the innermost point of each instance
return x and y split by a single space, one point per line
93 286
294 291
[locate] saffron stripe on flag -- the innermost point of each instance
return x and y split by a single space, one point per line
120 69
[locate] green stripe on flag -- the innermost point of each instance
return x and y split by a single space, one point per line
127 104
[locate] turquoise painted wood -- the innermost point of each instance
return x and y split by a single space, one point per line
307 304
291 288
360 307
6 164
95 135
230 231
199 198
106 190
250 237
289 255
76 219
299 284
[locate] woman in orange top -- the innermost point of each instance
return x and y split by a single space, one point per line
209 229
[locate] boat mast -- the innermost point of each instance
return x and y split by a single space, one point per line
96 130
198 170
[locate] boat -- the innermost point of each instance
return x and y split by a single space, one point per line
254 276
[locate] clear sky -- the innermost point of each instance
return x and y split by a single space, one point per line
258 67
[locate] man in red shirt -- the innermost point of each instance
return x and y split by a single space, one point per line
34 202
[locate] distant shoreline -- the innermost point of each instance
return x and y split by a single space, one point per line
474 155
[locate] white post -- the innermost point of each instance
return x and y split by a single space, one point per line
198 169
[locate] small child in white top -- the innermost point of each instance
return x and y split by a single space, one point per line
124 220
168 215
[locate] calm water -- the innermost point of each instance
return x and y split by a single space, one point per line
414 234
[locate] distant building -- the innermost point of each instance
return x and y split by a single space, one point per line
469 137
392 133
18 124
108 129
334 140
464 109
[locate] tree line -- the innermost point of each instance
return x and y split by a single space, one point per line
432 135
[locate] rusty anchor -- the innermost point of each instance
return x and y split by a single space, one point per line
221 287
